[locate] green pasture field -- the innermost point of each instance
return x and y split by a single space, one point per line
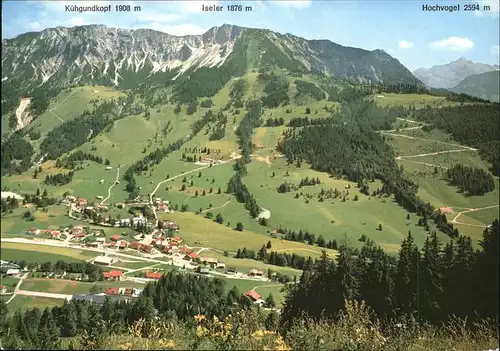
245 265
198 231
43 253
332 218
24 303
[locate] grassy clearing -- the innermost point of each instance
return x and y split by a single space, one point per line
8 281
198 231
69 287
28 302
332 218
419 100
43 253
275 290
404 146
245 265
70 104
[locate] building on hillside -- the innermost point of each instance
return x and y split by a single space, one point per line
255 273
122 244
124 222
100 240
81 201
446 210
33 231
231 270
204 270
136 292
252 294
92 244
113 275
13 272
139 220
115 237
153 275
220 265
192 256
3 289
56 234
105 260
209 260
109 168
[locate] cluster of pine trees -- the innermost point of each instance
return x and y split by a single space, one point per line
275 122
431 284
59 178
8 204
306 121
309 89
307 237
470 180
281 259
15 148
73 133
276 90
39 199
244 132
72 159
462 122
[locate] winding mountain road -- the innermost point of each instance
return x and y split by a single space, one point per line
455 221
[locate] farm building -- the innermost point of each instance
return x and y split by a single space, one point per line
254 295
101 181
105 260
13 272
3 289
115 237
113 275
108 168
153 275
209 260
446 210
255 273
99 197
220 265
112 291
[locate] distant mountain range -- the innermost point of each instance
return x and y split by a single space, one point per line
96 54
451 74
483 85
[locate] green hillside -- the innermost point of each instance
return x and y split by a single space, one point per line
484 86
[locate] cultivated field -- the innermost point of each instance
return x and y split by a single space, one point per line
43 253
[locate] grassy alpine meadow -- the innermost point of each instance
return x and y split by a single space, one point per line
245 265
43 253
198 231
406 147
418 100
24 303
436 189
333 219
71 103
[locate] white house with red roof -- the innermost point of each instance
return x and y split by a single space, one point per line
81 201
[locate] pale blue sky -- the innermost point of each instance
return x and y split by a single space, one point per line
400 27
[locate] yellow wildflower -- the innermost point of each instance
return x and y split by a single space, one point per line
199 318
127 346
201 331
167 343
258 334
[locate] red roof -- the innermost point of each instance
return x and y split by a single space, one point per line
253 294
1 286
115 237
80 235
123 244
193 255
153 275
33 229
112 244
166 249
112 274
55 233
135 244
446 210
112 291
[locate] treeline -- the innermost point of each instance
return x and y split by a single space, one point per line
59 178
143 165
13 149
244 132
305 121
8 204
462 122
72 159
40 200
470 180
276 90
73 133
307 237
309 89
207 118
93 271
218 132
236 93
344 92
428 284
275 122
281 259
